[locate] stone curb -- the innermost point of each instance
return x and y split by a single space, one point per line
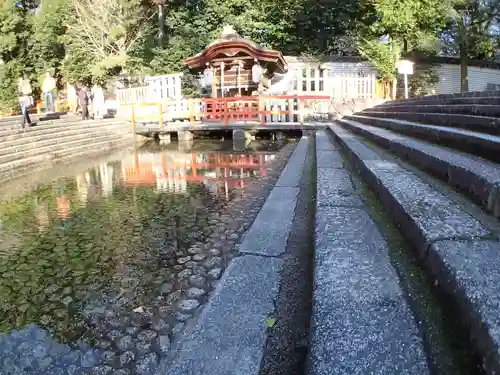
480 179
490 125
462 109
484 145
437 227
231 332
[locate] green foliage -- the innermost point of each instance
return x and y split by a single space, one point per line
383 56
423 80
93 40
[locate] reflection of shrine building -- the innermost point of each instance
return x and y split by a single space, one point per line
172 171
95 183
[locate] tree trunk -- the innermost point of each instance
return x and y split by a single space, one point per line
161 25
464 74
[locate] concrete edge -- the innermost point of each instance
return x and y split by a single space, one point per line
476 328
230 335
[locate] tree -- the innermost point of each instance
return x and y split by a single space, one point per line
49 26
390 28
470 33
161 20
103 36
15 44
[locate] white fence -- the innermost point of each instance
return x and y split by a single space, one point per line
158 88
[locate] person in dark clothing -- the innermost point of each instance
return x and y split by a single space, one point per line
25 102
83 96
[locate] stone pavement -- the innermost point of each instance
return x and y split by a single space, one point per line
361 322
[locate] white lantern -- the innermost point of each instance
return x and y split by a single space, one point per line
256 73
208 77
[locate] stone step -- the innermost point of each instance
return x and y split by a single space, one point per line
353 330
17 119
477 178
15 123
486 100
66 156
32 140
490 125
480 144
470 94
457 250
57 143
48 129
462 109
49 155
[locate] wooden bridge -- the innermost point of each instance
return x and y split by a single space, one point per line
232 113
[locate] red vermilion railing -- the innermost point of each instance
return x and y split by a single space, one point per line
260 109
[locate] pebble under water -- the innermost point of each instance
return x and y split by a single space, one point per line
100 272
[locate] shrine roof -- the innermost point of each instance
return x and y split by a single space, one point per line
229 44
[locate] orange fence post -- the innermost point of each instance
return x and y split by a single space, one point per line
160 115
191 111
226 114
301 110
132 120
260 107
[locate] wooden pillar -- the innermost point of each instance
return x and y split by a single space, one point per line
238 80
222 79
214 82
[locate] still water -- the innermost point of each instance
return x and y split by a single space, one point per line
99 271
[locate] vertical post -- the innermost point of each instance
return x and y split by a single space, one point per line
316 79
301 110
406 86
290 110
214 82
374 85
160 115
226 114
261 115
308 78
238 81
132 120
222 79
191 111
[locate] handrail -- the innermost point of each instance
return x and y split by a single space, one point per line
262 109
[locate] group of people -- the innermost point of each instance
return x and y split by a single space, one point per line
78 98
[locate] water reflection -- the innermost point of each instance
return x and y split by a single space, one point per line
98 270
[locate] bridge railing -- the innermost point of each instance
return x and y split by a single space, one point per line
225 111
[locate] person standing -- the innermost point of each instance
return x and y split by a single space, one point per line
25 99
98 101
83 96
48 86
72 97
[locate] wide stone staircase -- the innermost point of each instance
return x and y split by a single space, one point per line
56 138
433 165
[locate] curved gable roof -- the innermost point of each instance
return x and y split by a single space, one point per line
230 44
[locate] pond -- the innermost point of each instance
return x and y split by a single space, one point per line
99 272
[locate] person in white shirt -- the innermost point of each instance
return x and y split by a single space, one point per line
48 86
25 99
97 95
